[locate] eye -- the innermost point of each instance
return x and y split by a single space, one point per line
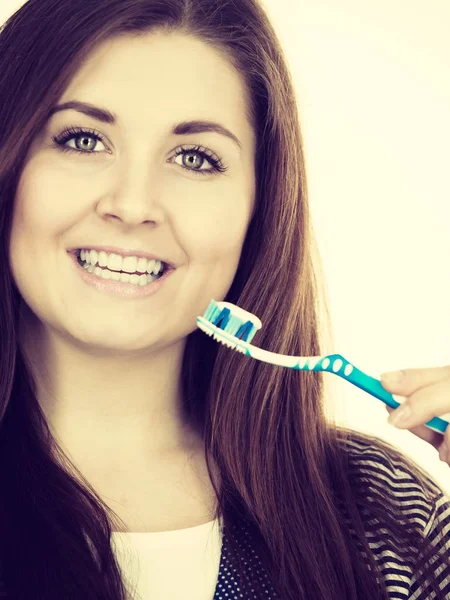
217 165
71 134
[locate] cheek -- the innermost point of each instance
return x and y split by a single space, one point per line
41 207
23 248
217 232
36 223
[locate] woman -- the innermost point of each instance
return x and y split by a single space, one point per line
118 416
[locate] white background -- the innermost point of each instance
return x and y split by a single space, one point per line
373 90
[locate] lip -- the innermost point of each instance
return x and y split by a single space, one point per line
117 288
123 252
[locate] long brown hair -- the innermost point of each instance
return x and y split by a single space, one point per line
282 467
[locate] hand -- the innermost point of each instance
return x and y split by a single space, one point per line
427 393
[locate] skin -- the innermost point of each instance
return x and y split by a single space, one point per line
427 393
108 368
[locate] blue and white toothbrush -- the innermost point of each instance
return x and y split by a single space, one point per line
235 328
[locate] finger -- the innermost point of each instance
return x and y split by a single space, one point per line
444 453
416 379
425 433
426 403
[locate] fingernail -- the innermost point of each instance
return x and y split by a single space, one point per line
401 415
392 377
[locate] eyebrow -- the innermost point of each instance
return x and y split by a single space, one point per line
106 116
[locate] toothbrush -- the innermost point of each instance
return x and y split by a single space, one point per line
235 328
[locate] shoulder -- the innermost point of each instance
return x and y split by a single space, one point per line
391 484
376 461
387 473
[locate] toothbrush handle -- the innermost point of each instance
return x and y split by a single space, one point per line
343 368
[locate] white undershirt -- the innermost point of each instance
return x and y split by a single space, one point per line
171 565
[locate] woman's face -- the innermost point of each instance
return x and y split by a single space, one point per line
130 190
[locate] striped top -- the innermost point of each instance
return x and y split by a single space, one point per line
387 472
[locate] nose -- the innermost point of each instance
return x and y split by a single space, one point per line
135 197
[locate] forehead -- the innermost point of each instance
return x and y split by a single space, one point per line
157 75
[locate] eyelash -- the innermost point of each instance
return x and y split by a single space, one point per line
72 132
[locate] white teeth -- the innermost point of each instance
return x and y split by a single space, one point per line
139 280
115 262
